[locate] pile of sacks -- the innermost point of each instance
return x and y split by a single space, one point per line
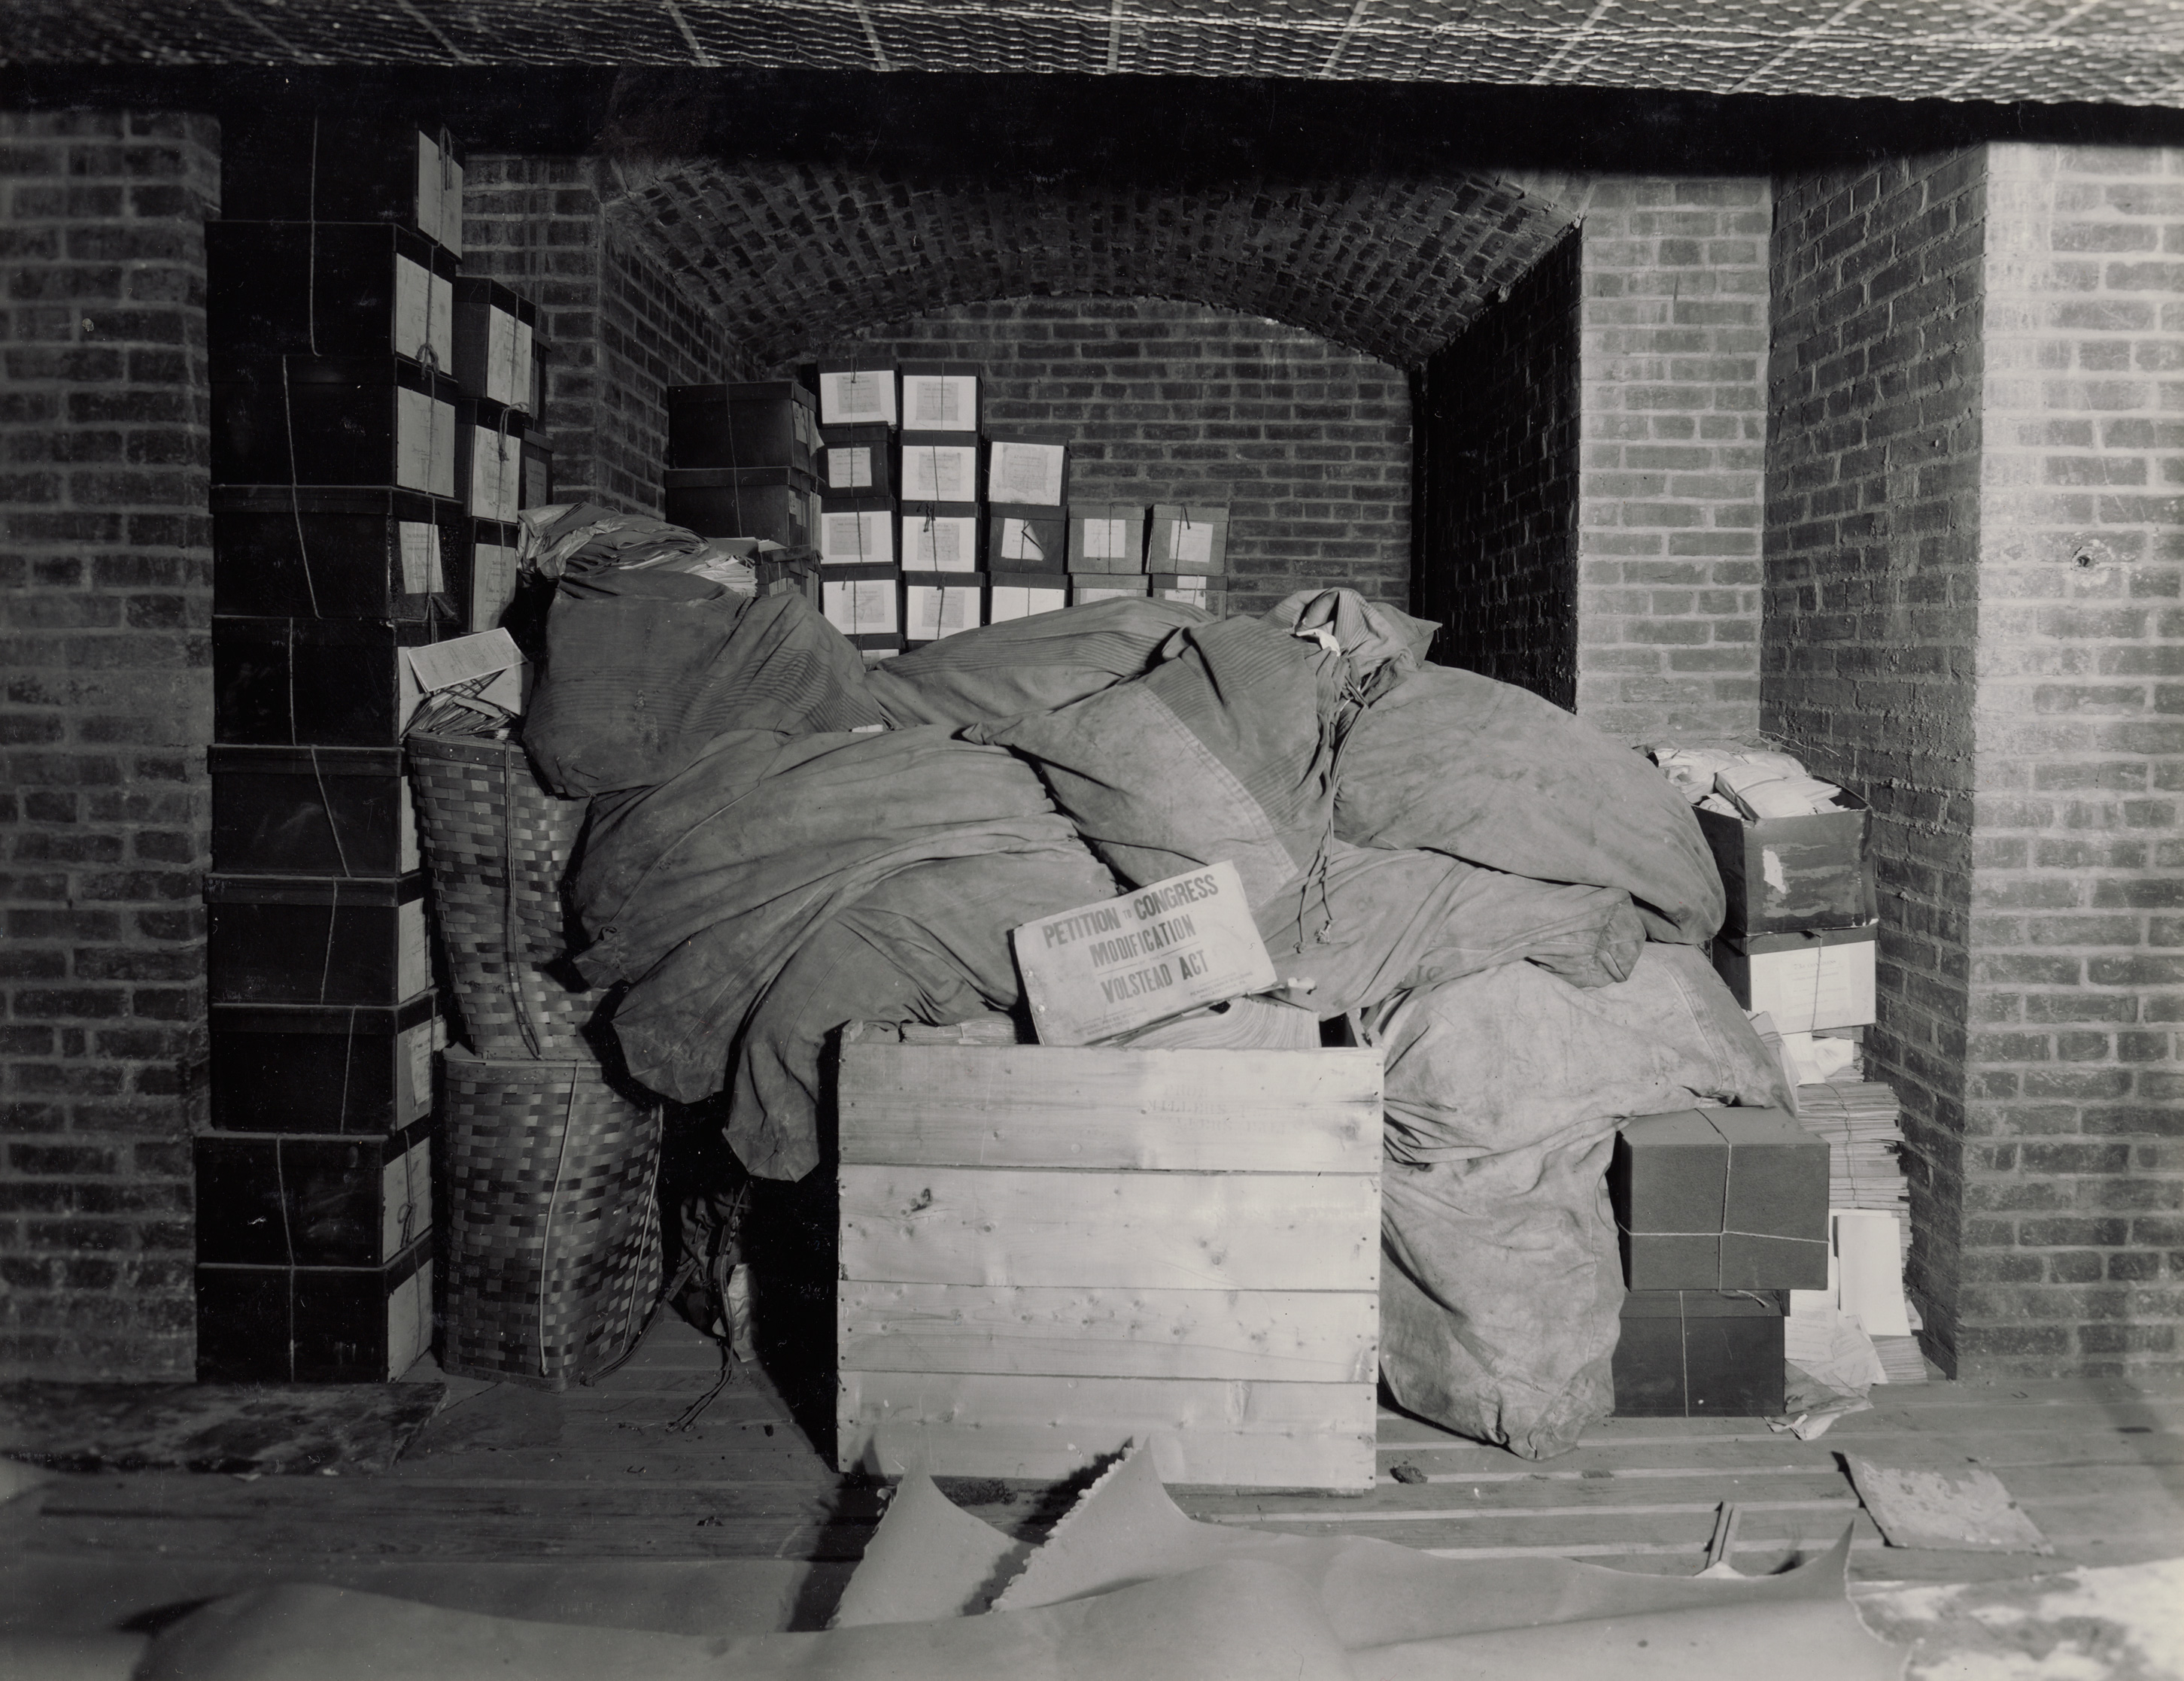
782 841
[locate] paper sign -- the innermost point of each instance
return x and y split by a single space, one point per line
440 321
417 439
526 357
443 664
849 468
413 310
1026 472
451 205
861 607
939 472
940 403
934 544
862 536
1012 601
1020 541
420 557
414 1067
1171 946
493 582
1104 539
857 394
1194 540
939 611
428 186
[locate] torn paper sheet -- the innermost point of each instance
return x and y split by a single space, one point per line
1965 1511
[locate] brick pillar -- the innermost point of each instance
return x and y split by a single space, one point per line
2074 1151
619 330
107 578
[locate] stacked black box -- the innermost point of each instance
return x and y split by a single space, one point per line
372 445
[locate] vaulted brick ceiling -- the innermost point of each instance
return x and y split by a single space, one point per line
790 256
2128 52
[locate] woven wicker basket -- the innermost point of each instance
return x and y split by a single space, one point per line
554 1255
498 845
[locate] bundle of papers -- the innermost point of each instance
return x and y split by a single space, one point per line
1859 1119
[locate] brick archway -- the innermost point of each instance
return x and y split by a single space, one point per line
785 256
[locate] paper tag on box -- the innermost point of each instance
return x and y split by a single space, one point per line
1171 946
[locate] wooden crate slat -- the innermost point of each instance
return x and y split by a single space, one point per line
1299 1335
1244 1435
1158 1230
1259 1111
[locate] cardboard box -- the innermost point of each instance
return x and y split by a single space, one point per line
1106 537
941 536
1694 1354
1085 587
276 1199
773 503
852 393
1021 538
936 604
1195 591
1025 471
1808 981
282 551
940 397
312 811
762 423
1019 595
277 165
494 327
1188 537
322 683
273 939
334 421
1787 873
314 1324
1045 1252
1156 951
328 289
856 461
305 1068
1721 1200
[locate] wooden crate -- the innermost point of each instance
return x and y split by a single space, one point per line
1048 1251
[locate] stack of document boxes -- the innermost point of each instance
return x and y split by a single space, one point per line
1721 1213
371 449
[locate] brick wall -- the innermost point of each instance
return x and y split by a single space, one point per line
1497 428
1308 442
2074 1157
105 580
1674 398
1871 611
620 330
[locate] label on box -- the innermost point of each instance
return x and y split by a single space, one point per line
413 309
939 403
938 543
409 1321
1020 541
451 203
527 356
492 583
1106 539
940 472
859 537
936 612
428 185
1026 472
1083 593
413 1071
424 442
496 474
849 467
1172 946
861 607
1194 541
500 364
420 541
858 394
1013 601
413 963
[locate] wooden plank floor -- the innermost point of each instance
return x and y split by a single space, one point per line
505 1473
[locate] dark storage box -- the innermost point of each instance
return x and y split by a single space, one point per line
1691 1354
282 551
1106 537
941 536
1811 980
494 330
1021 538
275 939
1188 537
328 289
277 166
777 503
314 1324
304 1068
1721 1200
1783 874
490 457
279 1200
323 683
856 461
333 421
312 811
768 423
940 397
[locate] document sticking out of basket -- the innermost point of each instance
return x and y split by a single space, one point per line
471 685
1168 947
